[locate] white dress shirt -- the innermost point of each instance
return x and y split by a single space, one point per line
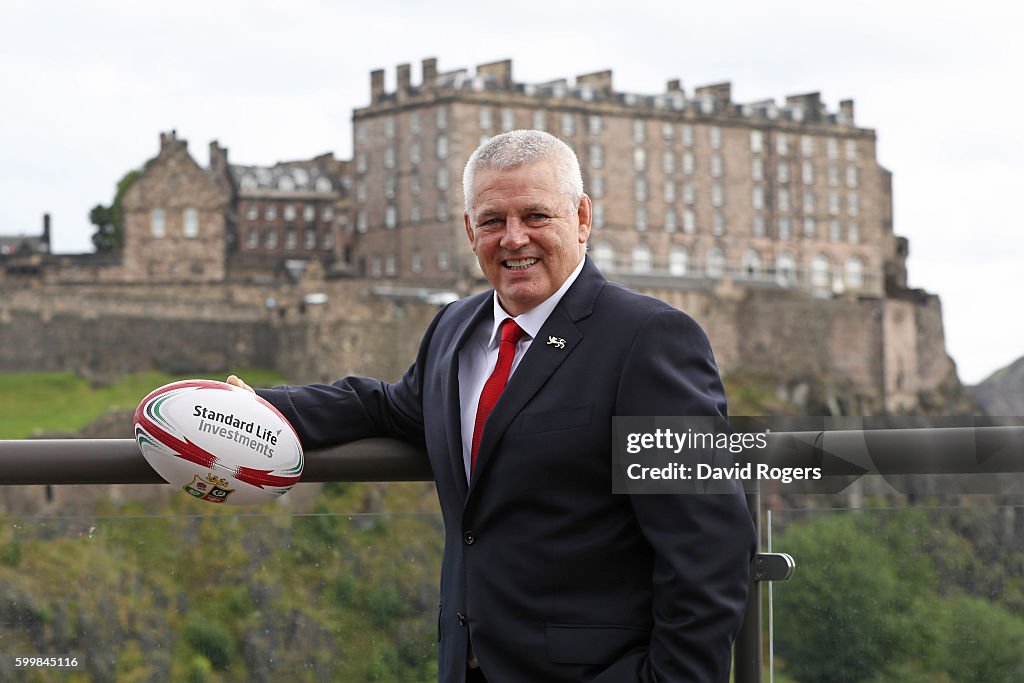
479 354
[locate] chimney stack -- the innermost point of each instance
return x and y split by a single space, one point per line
429 72
376 85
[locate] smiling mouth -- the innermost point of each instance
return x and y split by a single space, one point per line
519 264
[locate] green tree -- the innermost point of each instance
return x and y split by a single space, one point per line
109 220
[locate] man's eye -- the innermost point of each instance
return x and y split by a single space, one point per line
537 217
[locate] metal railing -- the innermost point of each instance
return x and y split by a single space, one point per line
925 451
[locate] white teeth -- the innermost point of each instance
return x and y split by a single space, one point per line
519 263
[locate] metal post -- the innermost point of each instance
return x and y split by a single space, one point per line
747 652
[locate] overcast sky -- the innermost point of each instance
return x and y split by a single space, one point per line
86 87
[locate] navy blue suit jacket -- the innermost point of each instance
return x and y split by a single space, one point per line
554 578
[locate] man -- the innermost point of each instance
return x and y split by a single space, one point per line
547 576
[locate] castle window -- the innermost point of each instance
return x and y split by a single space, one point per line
596 156
604 256
289 212
362 163
248 183
640 189
717 194
715 137
308 212
389 186
833 203
718 223
833 175
416 261
270 240
362 222
361 190
667 132
641 217
809 227
851 149
819 271
327 213
641 258
807 172
689 221
598 216
716 165
441 118
390 266
252 238
323 184
670 220
854 273
486 119
832 147
539 120
328 240
442 146
686 134
808 202
414 123
783 172
310 239
252 211
785 230
806 145
442 178
757 197
508 119
757 169
670 190
415 213
756 141
639 159
442 260
716 263
389 156
596 187
389 127
414 183
157 223
190 223
415 152
291 239
375 266
568 124
689 195
390 216
639 130
442 209
782 143
285 183
594 124
668 161
270 212
834 231
853 232
688 163
360 132
678 261
851 176
852 204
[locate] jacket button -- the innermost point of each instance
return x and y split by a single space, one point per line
469 538
461 617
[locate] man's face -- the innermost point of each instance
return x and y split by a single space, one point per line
525 234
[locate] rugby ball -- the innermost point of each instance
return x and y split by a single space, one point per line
218 443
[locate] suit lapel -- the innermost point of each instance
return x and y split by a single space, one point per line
450 394
557 339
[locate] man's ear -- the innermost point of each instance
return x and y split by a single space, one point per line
585 214
469 231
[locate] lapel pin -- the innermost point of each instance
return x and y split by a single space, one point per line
556 341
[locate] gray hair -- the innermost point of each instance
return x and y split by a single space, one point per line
521 148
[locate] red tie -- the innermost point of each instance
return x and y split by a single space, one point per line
511 333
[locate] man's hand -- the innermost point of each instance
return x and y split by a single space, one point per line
234 381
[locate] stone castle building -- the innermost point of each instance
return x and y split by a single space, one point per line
770 223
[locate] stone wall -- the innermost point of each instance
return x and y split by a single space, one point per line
849 355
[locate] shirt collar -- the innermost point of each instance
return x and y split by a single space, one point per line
532 320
